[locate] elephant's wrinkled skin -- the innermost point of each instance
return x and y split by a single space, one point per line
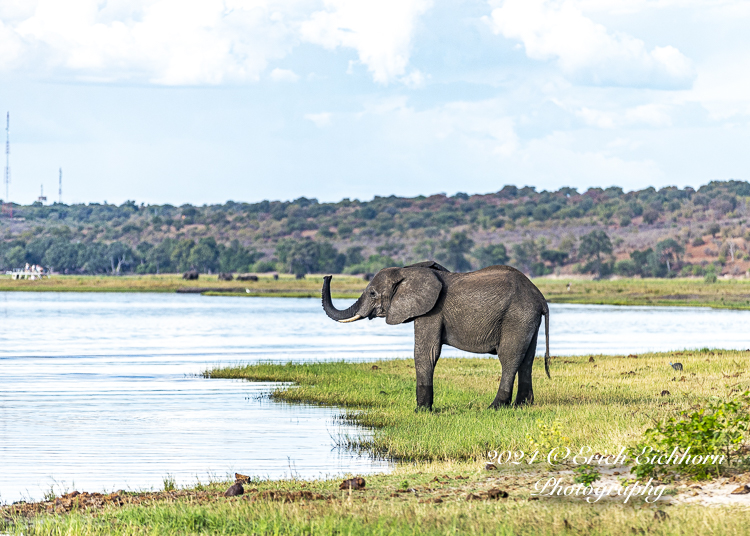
496 310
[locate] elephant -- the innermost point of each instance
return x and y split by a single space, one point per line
190 275
496 310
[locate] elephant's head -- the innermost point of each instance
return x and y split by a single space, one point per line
398 294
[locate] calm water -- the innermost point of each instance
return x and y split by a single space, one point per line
99 391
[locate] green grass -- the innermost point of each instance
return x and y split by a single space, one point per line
724 294
368 514
603 404
285 286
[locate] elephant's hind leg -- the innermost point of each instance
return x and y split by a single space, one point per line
525 393
514 343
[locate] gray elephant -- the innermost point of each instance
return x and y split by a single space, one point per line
496 310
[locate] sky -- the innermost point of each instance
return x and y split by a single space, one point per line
188 101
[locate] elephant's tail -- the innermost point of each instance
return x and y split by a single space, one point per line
546 337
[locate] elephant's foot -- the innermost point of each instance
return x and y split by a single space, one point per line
424 397
500 401
524 401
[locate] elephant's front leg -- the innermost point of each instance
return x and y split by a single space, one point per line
427 347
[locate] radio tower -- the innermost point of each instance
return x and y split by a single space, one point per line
59 192
7 155
7 207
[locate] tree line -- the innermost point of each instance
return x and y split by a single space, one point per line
305 236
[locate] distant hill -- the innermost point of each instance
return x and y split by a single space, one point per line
649 233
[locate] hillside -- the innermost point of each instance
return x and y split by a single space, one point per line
649 233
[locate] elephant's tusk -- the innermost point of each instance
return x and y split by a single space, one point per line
352 319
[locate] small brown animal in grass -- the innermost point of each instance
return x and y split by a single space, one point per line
353 483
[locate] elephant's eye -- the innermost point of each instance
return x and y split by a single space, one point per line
373 293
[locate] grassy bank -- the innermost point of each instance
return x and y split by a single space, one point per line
602 403
285 286
726 294
456 502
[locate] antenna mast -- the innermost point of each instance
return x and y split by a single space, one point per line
60 187
7 206
7 155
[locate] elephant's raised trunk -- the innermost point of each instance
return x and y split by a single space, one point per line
348 315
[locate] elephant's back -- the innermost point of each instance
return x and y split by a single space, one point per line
508 287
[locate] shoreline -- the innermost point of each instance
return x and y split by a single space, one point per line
680 292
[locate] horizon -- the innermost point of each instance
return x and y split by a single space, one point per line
377 196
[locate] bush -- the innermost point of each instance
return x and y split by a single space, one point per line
650 216
264 265
701 444
698 241
626 268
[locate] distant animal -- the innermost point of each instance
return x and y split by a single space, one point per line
223 276
190 275
353 483
247 277
496 310
234 490
676 366
568 287
275 277
368 276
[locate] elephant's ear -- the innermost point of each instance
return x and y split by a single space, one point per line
416 295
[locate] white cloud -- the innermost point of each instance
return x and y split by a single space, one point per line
283 75
321 120
653 115
381 32
585 51
171 42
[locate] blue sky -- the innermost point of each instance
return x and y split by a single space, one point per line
175 101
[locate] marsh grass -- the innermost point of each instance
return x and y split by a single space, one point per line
604 404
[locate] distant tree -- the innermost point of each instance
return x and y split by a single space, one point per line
180 254
668 252
555 257
713 229
204 256
236 258
593 246
61 256
390 249
354 255
525 255
491 255
15 258
453 252
330 260
650 216
426 249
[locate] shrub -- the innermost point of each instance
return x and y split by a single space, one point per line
700 444
626 268
650 216
586 474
